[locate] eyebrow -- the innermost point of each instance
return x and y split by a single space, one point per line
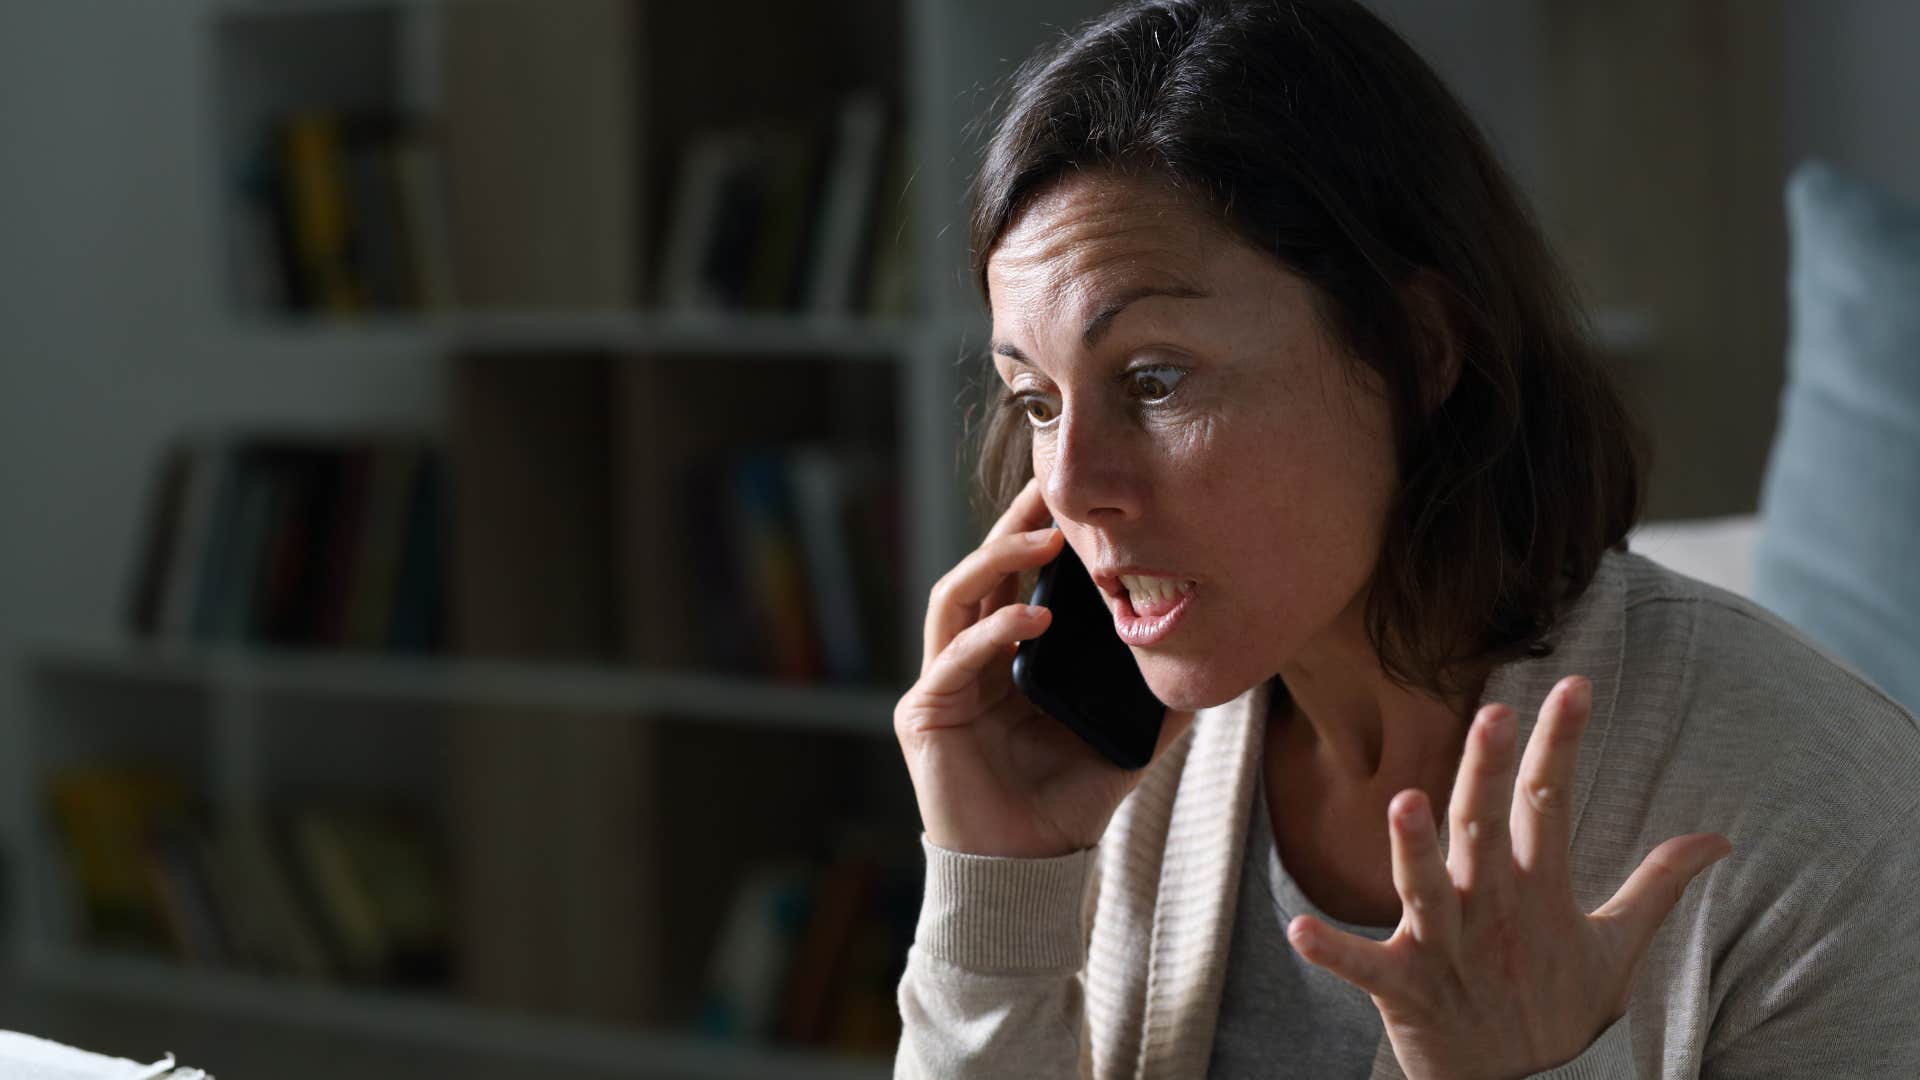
1100 321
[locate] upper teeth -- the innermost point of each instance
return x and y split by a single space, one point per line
1154 590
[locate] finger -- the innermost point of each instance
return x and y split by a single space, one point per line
1027 511
1653 890
1542 807
1480 853
1430 905
1365 964
955 602
958 668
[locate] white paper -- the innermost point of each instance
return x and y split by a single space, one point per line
29 1057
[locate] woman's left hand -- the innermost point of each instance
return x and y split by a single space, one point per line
1494 970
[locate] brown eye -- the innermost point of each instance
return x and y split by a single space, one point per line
1153 384
1036 410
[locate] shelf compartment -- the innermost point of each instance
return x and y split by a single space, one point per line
738 333
421 1019
464 681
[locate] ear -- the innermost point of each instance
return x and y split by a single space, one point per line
1429 303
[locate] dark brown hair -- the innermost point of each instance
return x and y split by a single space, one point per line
1317 135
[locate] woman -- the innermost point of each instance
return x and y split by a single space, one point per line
1288 365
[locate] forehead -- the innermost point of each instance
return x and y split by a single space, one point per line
1093 234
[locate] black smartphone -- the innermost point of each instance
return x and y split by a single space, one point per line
1082 674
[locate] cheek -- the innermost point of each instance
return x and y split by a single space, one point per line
1299 496
1042 455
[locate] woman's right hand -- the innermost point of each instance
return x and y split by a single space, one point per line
993 774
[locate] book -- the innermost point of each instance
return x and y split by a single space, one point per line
820 486
418 603
419 171
717 178
104 814
187 561
346 909
340 548
278 927
308 476
285 539
166 504
314 181
214 574
708 551
376 237
821 957
173 860
256 233
791 163
377 887
846 205
772 567
394 470
889 285
753 953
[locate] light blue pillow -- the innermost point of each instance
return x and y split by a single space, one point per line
1839 548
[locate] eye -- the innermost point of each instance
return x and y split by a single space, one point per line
1035 407
1156 383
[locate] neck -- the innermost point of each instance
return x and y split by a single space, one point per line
1342 710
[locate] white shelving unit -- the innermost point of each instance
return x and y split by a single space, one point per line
237 675
235 690
217 712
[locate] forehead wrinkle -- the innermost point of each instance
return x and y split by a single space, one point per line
1106 308
1089 289
1080 247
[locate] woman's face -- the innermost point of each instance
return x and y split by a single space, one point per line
1192 419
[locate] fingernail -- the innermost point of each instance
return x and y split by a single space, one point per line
1041 536
1582 694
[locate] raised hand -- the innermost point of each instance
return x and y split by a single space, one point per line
1494 971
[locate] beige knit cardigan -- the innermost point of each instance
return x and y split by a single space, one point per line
1796 956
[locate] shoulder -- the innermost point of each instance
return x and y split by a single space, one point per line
1724 662
1731 720
1732 637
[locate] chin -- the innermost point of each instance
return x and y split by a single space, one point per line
1187 684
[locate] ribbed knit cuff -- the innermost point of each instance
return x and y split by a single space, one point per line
1610 1057
988 913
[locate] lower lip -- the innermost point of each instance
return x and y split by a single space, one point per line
1141 631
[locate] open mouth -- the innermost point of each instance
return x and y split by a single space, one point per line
1145 616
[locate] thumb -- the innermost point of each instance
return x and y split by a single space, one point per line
1654 889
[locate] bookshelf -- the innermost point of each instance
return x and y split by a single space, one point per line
636 778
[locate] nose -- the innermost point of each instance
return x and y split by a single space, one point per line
1088 472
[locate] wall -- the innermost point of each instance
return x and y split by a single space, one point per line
112 336
113 332
1854 87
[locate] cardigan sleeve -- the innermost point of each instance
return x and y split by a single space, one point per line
1839 996
993 984
1610 1057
